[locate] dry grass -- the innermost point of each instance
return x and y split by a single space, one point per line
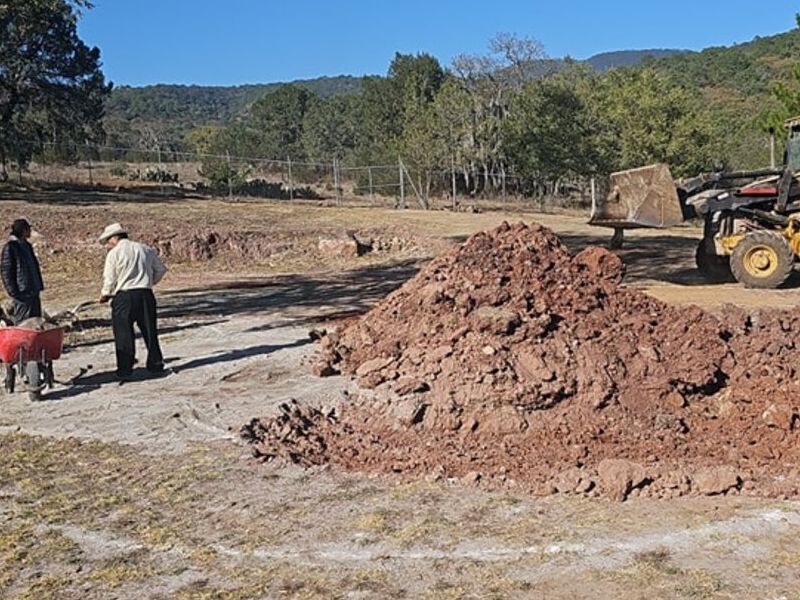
657 571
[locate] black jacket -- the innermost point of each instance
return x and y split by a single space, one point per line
22 276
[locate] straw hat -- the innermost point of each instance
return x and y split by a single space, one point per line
111 231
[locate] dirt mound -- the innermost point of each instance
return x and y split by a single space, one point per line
510 362
195 246
209 244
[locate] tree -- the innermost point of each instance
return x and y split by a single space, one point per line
201 139
454 121
416 78
490 80
277 122
640 117
330 128
788 96
545 135
381 122
51 85
417 81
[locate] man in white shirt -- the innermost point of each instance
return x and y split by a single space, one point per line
131 271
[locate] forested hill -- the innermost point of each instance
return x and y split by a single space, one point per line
627 58
737 85
186 106
200 105
748 68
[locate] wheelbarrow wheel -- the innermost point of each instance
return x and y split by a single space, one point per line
33 371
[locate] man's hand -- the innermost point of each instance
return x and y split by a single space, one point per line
103 299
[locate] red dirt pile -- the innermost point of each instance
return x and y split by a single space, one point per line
508 362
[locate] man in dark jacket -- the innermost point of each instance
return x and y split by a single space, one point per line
22 277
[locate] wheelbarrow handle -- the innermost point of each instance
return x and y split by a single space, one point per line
81 305
73 312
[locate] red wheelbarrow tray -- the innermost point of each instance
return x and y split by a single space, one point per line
31 342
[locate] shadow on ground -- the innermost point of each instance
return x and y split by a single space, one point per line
662 258
227 356
338 294
84 383
163 329
87 195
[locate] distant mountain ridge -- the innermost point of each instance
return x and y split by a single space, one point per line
200 104
628 58
194 105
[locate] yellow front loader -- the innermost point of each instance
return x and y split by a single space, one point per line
751 219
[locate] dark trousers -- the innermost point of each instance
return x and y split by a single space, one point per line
25 309
129 307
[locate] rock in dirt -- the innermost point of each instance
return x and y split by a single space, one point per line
619 477
409 385
715 480
324 369
373 365
780 415
344 246
573 480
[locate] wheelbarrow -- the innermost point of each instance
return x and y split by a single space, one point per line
30 352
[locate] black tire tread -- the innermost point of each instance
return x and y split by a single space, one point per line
714 268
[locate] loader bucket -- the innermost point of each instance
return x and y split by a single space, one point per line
643 197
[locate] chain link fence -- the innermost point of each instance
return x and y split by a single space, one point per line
397 185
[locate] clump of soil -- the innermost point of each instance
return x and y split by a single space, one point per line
509 362
196 246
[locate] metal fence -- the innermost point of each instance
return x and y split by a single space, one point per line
399 185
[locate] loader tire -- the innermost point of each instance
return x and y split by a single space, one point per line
762 259
714 268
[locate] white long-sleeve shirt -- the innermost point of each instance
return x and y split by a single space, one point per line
131 265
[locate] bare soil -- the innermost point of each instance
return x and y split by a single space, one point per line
145 490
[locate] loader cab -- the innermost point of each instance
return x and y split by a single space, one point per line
792 156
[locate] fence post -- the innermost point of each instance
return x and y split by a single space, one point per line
89 152
453 180
369 171
771 148
336 182
160 172
230 185
333 171
291 184
503 176
423 202
402 190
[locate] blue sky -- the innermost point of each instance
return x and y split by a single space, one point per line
229 42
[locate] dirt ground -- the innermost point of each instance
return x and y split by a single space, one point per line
144 490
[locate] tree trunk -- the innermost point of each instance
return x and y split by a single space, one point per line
428 183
